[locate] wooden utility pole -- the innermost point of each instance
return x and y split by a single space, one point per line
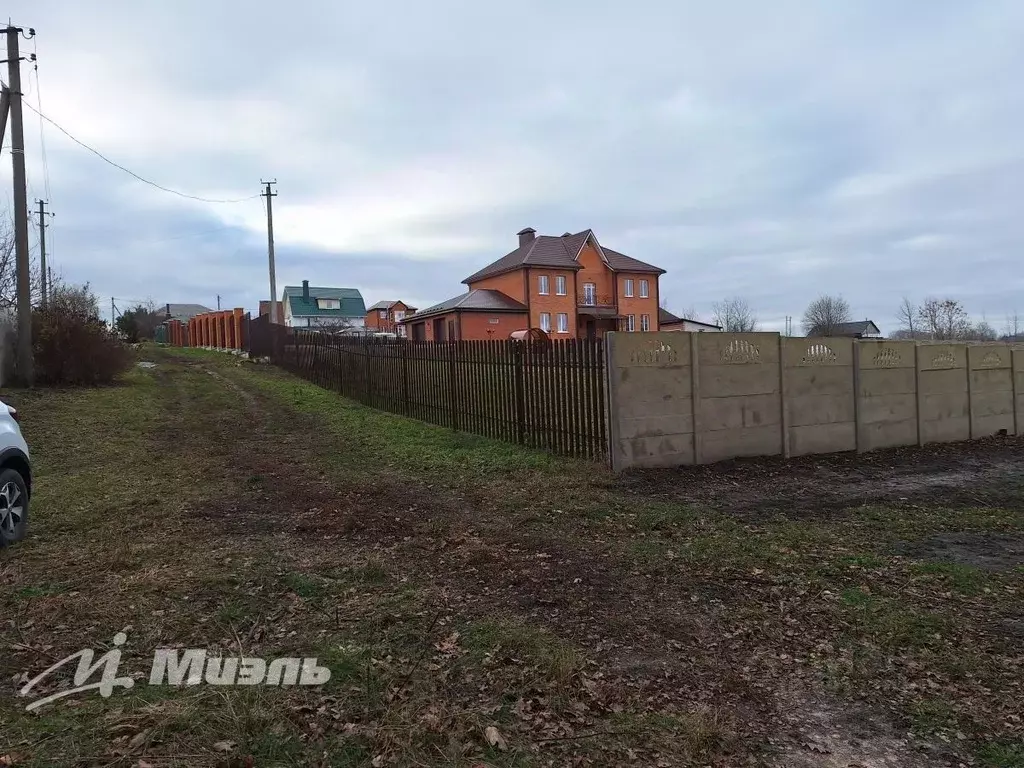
42 250
270 195
25 372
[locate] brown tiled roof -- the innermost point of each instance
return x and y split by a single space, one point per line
558 252
542 251
620 262
476 300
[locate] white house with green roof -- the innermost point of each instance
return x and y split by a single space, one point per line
308 306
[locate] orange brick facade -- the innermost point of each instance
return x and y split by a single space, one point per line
567 302
389 322
457 326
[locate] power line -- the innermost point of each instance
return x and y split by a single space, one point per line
107 160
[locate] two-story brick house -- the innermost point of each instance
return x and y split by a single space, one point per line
570 286
387 316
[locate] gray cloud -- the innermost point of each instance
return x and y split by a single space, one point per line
774 151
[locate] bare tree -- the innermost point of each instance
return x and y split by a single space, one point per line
906 316
943 319
1013 326
734 315
980 331
9 271
823 315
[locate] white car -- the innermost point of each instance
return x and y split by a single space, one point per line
15 478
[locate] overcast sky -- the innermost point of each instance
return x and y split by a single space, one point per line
773 151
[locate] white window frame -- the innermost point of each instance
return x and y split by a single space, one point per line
399 315
645 323
543 287
628 290
563 322
383 314
589 294
545 322
328 303
644 289
560 285
630 323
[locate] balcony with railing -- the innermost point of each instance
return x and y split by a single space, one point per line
589 299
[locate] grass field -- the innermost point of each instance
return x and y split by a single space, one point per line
481 604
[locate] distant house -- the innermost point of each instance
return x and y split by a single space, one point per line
184 312
386 316
571 286
309 306
860 329
669 322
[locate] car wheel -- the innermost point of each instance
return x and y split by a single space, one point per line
13 507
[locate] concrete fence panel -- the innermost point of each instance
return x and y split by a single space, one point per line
991 389
684 398
885 374
943 397
818 395
738 395
650 387
1017 355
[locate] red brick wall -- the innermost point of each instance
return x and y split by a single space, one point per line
594 270
552 303
510 283
485 325
637 306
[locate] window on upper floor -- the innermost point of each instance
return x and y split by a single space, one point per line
563 322
383 314
545 321
399 315
589 294
644 289
542 285
560 285
628 292
328 303
630 323
645 323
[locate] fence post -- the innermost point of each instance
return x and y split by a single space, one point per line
783 406
695 396
453 395
518 390
918 396
405 376
856 394
369 380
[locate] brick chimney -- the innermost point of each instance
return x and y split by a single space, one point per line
526 236
167 311
305 290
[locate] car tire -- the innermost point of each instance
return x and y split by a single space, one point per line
13 507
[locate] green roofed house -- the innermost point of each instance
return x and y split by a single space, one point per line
308 306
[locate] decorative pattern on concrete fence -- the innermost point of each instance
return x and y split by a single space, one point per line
684 398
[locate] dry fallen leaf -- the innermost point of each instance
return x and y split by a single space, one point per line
143 764
494 738
7 759
224 746
449 645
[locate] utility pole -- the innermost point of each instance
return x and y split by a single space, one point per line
270 195
113 313
25 372
42 249
218 302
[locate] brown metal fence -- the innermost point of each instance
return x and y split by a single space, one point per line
548 396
